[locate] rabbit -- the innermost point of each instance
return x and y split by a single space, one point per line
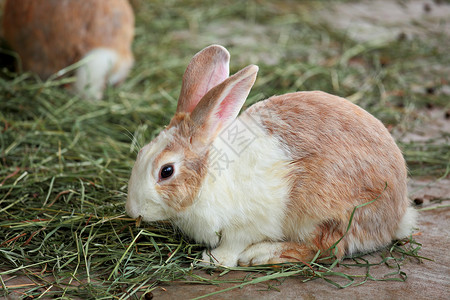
276 184
50 35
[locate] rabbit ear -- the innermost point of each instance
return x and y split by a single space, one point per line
207 69
221 105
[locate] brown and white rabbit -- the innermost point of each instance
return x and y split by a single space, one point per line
50 35
276 184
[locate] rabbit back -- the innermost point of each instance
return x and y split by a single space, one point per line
340 157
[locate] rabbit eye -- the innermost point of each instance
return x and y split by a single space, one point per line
166 171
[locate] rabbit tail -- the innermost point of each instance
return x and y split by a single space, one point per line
407 223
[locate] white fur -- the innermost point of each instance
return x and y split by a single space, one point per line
407 223
143 199
100 66
245 204
260 253
121 70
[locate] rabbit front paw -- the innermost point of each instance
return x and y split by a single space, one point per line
219 257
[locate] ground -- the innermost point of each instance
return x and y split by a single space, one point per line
426 279
65 162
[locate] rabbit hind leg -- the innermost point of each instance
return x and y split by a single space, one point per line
283 252
268 253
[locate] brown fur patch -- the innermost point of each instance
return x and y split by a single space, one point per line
326 235
180 192
341 157
293 252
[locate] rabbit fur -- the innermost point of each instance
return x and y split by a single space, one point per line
287 188
50 35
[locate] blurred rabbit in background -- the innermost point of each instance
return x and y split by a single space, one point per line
50 35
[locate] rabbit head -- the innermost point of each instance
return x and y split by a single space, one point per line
169 172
